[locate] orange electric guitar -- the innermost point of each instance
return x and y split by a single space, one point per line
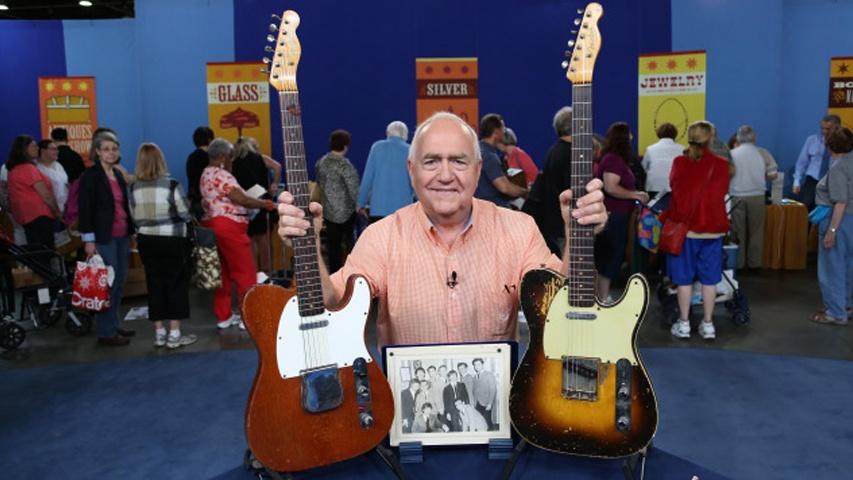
318 397
581 388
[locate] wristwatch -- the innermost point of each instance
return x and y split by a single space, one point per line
833 229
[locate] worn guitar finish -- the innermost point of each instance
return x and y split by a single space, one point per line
319 397
539 411
581 387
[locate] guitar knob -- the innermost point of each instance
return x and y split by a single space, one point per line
622 423
366 420
359 367
622 393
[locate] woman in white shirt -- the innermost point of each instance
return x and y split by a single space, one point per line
48 153
658 158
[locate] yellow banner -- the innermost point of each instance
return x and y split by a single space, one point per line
841 89
238 102
671 89
448 84
69 103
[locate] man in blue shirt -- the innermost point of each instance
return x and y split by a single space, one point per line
494 186
813 162
385 186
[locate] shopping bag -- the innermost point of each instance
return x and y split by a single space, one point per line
92 281
207 271
648 230
672 237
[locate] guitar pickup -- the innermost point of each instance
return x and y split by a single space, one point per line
623 395
321 389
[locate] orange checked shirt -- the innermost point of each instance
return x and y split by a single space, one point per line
409 268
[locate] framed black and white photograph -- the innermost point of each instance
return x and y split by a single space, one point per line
450 394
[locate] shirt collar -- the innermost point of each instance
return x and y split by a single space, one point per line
429 227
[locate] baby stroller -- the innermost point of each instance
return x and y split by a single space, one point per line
728 291
45 293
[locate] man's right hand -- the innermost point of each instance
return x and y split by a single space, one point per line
796 190
292 221
90 249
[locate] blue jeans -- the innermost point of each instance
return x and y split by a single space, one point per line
835 267
116 254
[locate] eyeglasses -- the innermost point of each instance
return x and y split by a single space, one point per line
431 164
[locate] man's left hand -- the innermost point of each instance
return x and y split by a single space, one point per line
590 207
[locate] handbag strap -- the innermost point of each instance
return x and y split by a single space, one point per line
699 197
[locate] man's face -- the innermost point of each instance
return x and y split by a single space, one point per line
499 134
453 378
427 411
442 371
444 172
463 369
415 386
478 367
421 375
825 127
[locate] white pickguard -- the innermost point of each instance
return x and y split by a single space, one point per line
608 337
340 342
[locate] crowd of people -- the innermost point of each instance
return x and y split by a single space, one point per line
438 209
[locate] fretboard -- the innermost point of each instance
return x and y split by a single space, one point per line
581 243
307 273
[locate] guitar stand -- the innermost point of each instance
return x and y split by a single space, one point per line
262 472
629 465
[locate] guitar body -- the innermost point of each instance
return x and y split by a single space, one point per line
541 407
281 433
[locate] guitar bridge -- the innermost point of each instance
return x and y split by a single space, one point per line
580 378
321 389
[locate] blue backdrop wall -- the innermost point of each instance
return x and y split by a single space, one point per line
28 50
768 64
357 70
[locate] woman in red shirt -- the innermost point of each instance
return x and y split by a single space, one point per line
699 181
30 193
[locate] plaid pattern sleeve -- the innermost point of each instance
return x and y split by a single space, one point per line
159 208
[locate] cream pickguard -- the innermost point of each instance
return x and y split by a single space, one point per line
601 332
327 339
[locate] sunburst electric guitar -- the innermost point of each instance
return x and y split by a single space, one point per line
318 397
581 388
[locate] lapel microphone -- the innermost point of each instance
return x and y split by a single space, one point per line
451 282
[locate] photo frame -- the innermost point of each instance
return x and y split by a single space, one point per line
442 398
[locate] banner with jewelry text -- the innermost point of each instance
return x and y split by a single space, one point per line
447 84
238 102
69 103
841 89
671 90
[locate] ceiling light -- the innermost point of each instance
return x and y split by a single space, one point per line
85 3
3 7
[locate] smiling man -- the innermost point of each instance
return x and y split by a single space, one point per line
447 268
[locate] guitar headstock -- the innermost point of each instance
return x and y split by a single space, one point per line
286 53
586 46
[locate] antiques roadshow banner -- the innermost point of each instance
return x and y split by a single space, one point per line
238 102
447 84
671 89
841 89
69 103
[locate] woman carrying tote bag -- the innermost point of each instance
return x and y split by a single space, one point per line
696 217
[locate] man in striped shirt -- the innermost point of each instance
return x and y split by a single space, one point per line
446 269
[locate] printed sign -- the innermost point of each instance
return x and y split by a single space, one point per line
238 102
841 89
447 84
69 103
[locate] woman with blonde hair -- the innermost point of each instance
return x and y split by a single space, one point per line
699 180
161 212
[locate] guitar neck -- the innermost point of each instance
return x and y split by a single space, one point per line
582 240
306 262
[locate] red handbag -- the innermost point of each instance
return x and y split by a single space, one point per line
673 233
91 290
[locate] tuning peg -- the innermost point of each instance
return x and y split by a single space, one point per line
565 64
267 60
276 18
574 32
269 49
571 43
270 38
274 28
580 11
567 53
577 21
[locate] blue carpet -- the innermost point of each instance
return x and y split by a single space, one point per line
181 416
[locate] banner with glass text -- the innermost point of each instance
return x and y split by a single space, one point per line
671 90
841 89
238 102
69 103
447 84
